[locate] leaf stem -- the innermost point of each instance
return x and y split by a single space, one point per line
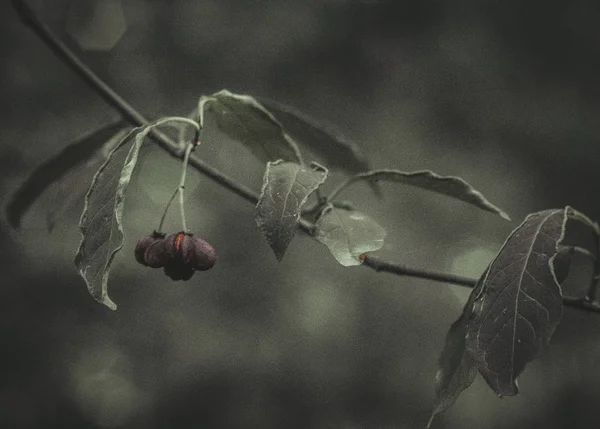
181 186
164 215
172 148
179 190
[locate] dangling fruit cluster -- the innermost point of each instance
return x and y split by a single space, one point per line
180 254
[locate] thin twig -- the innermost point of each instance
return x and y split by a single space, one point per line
173 149
378 265
401 270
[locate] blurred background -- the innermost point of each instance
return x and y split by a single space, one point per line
503 94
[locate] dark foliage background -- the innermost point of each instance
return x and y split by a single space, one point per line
504 94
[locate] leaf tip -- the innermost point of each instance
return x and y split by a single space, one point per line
279 254
504 215
109 303
430 421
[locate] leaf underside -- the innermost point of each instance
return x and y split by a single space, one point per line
348 234
286 187
73 155
521 302
242 118
450 186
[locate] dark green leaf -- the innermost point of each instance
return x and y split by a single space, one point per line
50 171
323 139
348 234
286 187
521 302
450 186
242 118
456 368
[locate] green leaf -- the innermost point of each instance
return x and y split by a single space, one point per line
450 186
286 187
101 223
348 234
73 155
457 369
323 139
242 118
521 302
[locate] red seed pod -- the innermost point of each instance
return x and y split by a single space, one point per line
181 244
177 270
144 243
205 256
156 255
187 255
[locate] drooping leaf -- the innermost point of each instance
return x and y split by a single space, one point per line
450 186
348 234
456 368
243 118
286 187
73 186
323 139
101 222
52 170
521 302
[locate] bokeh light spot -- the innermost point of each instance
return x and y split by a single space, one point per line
96 25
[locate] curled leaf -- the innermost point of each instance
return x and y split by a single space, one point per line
520 304
243 118
348 234
450 186
286 187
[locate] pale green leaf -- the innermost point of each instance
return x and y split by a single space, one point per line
348 234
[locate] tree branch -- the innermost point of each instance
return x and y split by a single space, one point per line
172 148
63 52
401 270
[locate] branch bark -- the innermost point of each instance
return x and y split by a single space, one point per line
63 52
